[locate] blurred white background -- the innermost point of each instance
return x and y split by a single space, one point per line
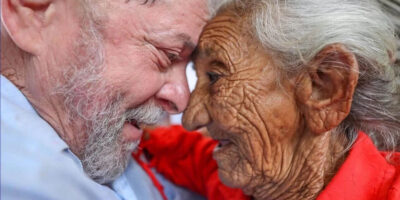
192 79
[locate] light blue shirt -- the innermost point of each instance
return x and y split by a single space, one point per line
37 164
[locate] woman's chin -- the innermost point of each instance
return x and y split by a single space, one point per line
226 179
231 169
233 180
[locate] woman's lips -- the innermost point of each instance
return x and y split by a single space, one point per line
222 144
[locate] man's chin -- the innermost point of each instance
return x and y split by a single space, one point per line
104 165
129 148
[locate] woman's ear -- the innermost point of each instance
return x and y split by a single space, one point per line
325 92
23 21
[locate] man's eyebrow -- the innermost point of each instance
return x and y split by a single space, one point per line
187 42
144 1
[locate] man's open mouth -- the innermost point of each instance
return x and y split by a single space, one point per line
134 123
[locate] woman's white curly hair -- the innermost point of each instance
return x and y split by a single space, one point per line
296 30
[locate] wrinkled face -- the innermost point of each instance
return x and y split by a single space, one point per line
237 98
147 48
128 66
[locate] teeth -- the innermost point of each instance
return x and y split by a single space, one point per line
218 147
135 124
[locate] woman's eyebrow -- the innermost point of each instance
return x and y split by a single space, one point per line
202 52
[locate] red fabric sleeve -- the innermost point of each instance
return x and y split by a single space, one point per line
185 158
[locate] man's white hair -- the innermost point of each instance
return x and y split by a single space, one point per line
214 5
296 30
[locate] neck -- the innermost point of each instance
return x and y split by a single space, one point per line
22 70
315 162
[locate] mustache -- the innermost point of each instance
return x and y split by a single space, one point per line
146 114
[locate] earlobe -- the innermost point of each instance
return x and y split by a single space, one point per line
326 90
23 20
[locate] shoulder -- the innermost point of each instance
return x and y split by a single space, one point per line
35 171
394 191
34 166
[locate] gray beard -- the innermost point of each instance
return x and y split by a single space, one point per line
106 155
95 107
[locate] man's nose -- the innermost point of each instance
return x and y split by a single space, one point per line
174 94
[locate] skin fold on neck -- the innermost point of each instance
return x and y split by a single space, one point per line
315 162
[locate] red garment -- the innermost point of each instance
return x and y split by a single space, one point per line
146 167
185 158
365 175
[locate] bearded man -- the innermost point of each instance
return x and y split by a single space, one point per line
79 80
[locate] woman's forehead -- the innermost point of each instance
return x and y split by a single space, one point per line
224 32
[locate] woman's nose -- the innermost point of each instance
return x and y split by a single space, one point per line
196 114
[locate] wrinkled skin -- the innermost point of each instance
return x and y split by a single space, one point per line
271 145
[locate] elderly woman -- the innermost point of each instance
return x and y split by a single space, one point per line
302 98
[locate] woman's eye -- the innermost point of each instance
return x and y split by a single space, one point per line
213 77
